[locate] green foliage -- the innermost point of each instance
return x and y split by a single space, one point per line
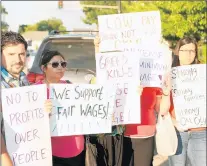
179 18
22 28
202 53
93 13
47 25
4 25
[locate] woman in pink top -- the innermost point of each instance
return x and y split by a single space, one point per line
66 150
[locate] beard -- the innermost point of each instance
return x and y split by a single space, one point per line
16 69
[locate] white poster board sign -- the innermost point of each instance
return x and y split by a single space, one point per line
122 71
27 125
120 31
189 95
155 62
80 109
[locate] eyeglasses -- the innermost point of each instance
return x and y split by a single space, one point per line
189 51
57 64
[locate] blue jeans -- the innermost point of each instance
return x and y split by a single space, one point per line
191 149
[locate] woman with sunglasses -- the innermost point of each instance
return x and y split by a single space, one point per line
66 150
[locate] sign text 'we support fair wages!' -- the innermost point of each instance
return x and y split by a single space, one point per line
121 70
27 125
81 109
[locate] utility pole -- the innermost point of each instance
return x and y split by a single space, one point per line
118 2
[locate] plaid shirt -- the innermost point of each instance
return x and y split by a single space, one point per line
8 81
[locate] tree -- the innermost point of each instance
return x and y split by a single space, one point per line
93 13
183 18
4 25
22 28
47 25
178 18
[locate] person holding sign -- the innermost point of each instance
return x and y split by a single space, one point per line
139 138
191 142
109 146
66 150
13 51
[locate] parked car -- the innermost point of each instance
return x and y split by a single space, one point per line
78 50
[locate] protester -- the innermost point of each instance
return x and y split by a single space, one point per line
164 106
13 51
139 138
191 142
66 150
109 146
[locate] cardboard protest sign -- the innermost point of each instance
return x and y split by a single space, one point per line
121 70
27 125
120 31
189 95
155 61
80 109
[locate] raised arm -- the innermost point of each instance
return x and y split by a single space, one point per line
5 158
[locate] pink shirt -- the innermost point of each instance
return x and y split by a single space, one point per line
66 146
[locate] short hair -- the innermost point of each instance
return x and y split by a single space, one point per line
180 43
9 37
48 55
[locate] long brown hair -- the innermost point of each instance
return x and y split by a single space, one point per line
182 42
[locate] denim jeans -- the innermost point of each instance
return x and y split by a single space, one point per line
191 149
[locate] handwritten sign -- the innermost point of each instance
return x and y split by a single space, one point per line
155 62
27 125
80 109
189 95
119 31
121 70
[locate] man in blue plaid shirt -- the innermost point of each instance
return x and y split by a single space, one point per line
13 52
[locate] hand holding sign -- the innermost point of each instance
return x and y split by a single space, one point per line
48 106
167 84
140 90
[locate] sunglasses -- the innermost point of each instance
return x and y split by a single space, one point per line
57 64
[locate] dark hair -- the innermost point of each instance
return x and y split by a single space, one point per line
9 37
182 42
48 55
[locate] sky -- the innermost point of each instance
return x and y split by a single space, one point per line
30 12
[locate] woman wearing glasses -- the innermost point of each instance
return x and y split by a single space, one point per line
66 150
191 142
